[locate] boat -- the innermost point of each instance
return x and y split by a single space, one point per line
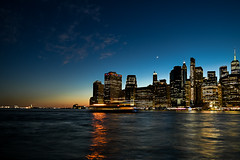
112 108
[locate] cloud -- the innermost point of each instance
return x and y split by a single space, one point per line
71 29
84 9
74 46
106 55
75 42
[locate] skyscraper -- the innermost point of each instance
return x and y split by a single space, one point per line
230 85
112 87
212 79
98 93
187 89
154 77
144 97
176 89
223 72
198 85
130 88
210 91
192 80
235 68
231 90
161 98
184 74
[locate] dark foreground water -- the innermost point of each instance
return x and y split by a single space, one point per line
74 134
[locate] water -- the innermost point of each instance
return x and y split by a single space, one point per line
75 134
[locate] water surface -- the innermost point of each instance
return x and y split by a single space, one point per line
76 134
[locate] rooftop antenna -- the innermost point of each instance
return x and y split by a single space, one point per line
235 57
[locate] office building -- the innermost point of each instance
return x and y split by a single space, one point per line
198 85
230 85
154 77
161 96
144 97
112 87
231 90
187 93
130 88
210 91
223 72
192 80
235 68
183 74
177 97
98 93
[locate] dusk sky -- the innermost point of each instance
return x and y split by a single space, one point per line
53 50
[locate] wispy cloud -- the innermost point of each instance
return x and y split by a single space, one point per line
106 55
74 46
75 42
83 9
72 29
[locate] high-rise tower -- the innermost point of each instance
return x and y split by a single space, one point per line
192 79
154 77
98 93
130 89
223 71
176 89
112 87
198 85
235 68
184 74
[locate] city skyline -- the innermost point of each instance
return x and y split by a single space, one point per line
182 92
52 52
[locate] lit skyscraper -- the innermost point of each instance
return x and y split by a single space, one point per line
187 89
230 85
235 68
192 80
130 88
161 94
154 77
176 89
184 74
212 79
198 85
223 71
112 87
210 91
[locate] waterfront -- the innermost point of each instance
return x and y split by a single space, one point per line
76 134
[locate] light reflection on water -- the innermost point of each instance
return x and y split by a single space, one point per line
99 137
73 134
165 135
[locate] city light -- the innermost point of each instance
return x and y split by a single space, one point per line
197 92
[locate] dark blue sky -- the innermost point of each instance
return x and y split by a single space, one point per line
52 51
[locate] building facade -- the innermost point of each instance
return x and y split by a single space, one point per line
130 88
230 85
112 87
198 86
223 72
144 97
187 89
98 93
235 68
210 91
177 95
192 80
161 94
